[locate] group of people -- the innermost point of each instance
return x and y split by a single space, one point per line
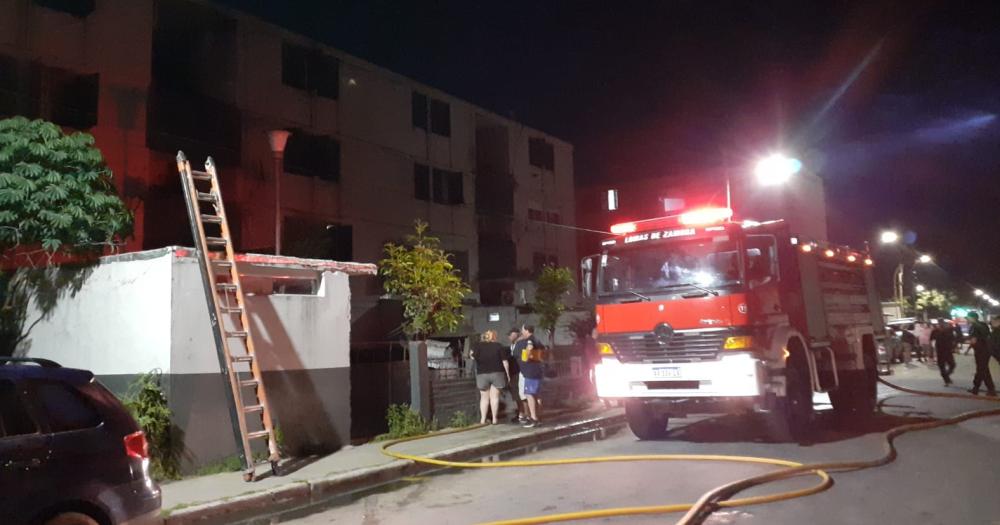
516 368
982 339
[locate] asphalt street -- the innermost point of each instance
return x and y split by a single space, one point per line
947 476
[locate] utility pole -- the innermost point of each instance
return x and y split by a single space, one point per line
277 139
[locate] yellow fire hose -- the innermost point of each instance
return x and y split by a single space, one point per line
715 498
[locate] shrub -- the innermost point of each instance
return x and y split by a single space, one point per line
148 404
404 422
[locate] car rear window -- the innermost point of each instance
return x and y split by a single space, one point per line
14 418
64 407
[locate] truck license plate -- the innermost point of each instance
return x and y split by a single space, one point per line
669 373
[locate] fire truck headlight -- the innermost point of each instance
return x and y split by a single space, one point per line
739 342
611 379
605 349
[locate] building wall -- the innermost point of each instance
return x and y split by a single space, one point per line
147 311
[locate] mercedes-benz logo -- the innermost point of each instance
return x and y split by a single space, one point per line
663 333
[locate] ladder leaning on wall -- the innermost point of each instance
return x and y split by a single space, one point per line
228 314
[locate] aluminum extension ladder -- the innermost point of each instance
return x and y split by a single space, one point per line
228 313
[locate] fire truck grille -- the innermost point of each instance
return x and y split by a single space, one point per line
683 347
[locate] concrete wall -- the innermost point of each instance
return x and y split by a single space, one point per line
146 311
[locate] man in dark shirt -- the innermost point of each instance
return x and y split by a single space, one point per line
979 340
513 386
943 338
528 350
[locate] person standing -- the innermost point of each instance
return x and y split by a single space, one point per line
909 343
943 338
923 333
492 371
979 340
528 351
513 386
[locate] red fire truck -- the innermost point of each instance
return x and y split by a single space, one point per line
701 313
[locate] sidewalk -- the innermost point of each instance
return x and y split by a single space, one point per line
354 468
925 376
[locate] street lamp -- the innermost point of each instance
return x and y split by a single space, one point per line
277 139
978 292
773 170
925 259
920 287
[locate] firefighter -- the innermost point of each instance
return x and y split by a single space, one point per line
943 338
979 340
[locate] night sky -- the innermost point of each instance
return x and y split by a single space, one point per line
893 104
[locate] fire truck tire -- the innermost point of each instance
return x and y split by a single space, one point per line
857 395
644 422
795 416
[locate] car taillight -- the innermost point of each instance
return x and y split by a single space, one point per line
136 445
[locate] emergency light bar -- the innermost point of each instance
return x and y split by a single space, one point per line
624 227
705 216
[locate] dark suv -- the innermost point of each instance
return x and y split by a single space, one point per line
70 453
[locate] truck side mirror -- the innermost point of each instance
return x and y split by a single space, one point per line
587 276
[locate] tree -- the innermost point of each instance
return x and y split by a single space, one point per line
934 303
552 286
422 276
56 196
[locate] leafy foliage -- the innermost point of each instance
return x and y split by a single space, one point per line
148 405
934 303
56 190
404 422
422 276
461 419
552 286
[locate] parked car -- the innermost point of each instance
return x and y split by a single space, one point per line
70 453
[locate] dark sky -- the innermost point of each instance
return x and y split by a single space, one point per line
894 104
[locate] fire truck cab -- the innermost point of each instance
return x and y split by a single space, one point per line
700 313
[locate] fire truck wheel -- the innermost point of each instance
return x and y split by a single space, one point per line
857 394
644 422
796 414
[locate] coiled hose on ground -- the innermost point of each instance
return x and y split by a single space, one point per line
719 497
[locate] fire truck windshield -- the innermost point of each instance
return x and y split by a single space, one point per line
651 267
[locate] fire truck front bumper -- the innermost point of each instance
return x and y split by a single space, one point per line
735 375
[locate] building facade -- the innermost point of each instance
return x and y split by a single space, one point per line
371 151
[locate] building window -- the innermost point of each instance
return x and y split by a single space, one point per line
418 108
310 70
313 156
541 154
74 99
448 187
553 217
612 200
317 239
422 182
77 8
430 113
536 215
440 118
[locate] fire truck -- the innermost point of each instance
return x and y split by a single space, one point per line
702 313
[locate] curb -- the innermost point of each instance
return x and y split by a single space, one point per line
302 492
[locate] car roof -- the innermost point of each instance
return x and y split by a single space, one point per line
15 370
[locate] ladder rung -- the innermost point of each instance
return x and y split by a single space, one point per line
214 219
206 197
230 309
258 434
239 334
242 358
226 286
249 382
253 408
216 241
200 175
223 264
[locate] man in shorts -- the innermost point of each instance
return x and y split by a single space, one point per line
528 350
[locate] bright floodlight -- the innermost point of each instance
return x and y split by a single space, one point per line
889 237
921 287
994 302
978 292
776 169
986 297
924 259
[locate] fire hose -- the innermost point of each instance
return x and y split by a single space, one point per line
719 497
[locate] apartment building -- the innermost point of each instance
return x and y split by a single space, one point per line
370 150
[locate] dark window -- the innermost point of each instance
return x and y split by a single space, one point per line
541 154
418 108
310 70
74 99
440 118
317 239
538 261
536 215
460 261
294 66
77 8
64 408
552 216
14 419
447 187
197 124
422 182
313 156
497 257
